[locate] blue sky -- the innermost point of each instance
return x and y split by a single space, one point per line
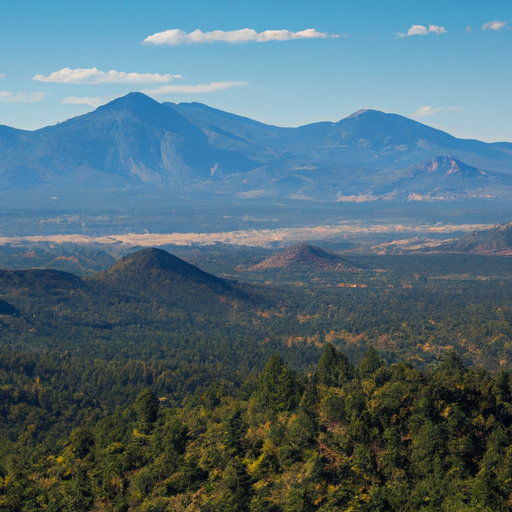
444 63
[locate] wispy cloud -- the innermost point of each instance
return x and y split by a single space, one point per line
420 30
194 89
92 101
175 36
2 75
97 101
94 76
427 110
21 97
494 25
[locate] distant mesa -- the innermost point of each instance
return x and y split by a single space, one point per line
496 241
306 256
444 166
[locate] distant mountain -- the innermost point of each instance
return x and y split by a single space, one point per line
256 140
442 177
367 138
496 241
135 142
129 141
306 256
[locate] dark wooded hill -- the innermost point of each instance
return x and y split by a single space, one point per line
147 288
156 273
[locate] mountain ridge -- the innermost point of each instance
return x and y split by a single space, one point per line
496 241
132 139
134 142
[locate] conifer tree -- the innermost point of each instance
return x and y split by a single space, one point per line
334 368
277 386
370 363
146 407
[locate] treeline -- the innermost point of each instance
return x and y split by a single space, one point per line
371 437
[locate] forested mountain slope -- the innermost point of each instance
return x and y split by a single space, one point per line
366 438
150 302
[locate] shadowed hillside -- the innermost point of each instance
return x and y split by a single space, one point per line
152 267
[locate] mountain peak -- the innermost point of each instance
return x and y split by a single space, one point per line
303 254
130 100
358 113
152 258
148 110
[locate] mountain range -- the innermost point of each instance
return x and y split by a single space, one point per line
134 141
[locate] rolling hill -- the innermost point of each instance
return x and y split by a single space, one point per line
155 274
148 287
307 257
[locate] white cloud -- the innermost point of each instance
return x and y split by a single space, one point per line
94 76
194 89
2 75
494 25
468 30
21 97
97 101
417 30
420 30
427 110
175 36
435 29
94 101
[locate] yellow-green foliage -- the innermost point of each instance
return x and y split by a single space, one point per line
369 438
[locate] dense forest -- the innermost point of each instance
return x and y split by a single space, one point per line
371 437
154 385
410 309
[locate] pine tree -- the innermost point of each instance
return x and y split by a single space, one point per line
146 407
370 363
334 368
